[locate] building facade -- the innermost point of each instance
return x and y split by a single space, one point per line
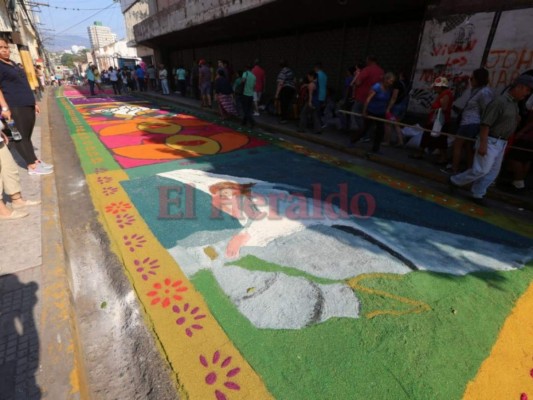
113 54
136 11
100 35
18 26
336 33
423 38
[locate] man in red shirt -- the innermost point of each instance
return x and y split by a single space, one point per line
362 83
259 85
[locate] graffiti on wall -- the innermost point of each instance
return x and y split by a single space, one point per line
451 47
511 51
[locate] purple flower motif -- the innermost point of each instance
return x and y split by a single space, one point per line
221 371
187 317
146 267
134 241
104 179
109 190
124 219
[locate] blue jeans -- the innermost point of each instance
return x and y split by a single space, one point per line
357 123
91 87
470 131
247 105
164 86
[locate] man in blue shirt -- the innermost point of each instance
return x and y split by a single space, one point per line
89 74
139 72
248 96
322 85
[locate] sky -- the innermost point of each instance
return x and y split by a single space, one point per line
57 24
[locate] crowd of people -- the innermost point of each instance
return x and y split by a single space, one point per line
128 79
470 148
372 102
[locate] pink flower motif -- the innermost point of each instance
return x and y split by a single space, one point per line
134 241
110 190
189 319
115 208
124 219
146 267
166 292
222 371
104 179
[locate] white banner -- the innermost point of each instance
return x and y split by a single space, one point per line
452 47
511 52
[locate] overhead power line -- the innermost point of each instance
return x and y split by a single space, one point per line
83 20
37 4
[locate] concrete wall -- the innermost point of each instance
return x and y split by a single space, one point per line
394 43
177 15
136 13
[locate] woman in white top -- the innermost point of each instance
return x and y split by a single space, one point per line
163 77
470 119
113 77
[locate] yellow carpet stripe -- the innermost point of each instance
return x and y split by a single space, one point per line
204 359
506 373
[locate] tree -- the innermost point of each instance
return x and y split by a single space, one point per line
68 59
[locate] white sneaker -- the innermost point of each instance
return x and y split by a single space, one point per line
39 170
45 165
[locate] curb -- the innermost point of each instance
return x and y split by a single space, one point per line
405 167
61 344
118 353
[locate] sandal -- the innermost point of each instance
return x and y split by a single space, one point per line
15 214
27 203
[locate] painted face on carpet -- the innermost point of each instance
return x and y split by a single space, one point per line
311 288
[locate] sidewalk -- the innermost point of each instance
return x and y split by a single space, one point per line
37 348
397 158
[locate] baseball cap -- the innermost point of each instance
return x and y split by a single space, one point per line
526 80
441 81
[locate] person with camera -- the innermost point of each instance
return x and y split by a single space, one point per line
18 103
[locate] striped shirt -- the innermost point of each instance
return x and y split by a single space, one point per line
286 77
